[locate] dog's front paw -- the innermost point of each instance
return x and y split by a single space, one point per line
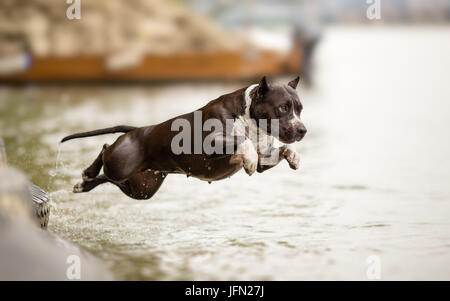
250 164
292 157
250 156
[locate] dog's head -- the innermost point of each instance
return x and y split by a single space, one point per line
279 102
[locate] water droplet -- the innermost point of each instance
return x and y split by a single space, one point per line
54 172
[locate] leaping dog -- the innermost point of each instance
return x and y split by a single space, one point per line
140 159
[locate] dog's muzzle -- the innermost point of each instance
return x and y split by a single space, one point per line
300 132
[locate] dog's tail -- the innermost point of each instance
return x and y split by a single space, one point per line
115 129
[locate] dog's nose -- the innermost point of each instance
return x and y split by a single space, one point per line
301 131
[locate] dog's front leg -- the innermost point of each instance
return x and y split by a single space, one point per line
250 156
270 159
291 156
275 155
240 145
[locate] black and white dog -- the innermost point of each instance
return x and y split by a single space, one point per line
260 115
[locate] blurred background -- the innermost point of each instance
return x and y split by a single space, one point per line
374 168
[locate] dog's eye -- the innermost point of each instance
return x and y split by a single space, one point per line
284 108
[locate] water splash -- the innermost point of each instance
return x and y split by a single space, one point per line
54 172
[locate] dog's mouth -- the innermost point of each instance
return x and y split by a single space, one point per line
290 140
287 136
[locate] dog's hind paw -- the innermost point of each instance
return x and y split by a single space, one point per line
78 188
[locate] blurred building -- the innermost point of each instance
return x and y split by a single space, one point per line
232 13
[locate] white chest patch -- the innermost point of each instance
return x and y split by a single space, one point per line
245 126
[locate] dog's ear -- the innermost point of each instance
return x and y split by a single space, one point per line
263 87
293 83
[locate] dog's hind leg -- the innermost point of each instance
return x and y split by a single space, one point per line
86 186
93 170
142 185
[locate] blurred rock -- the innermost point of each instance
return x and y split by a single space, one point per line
107 27
20 198
15 196
26 252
